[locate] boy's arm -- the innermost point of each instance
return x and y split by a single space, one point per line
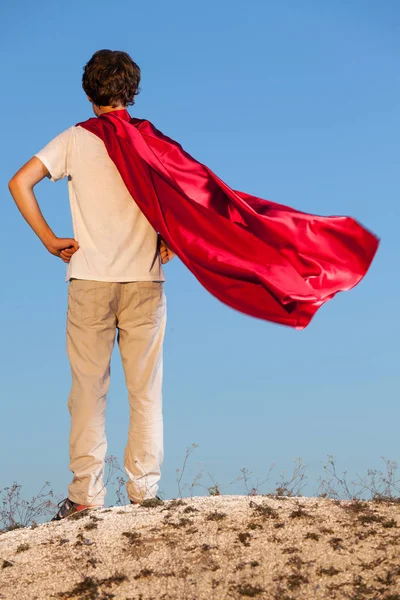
21 187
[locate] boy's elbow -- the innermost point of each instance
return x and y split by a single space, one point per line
16 182
13 182
28 175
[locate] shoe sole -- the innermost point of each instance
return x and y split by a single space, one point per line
87 509
156 498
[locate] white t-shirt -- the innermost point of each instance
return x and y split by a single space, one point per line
116 241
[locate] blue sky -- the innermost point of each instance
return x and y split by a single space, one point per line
296 102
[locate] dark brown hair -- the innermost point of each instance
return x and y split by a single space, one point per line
110 78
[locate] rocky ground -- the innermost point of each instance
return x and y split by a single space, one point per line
211 548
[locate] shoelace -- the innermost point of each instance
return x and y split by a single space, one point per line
61 502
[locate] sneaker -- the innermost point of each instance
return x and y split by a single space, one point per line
157 497
68 508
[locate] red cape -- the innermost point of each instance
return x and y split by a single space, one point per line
261 258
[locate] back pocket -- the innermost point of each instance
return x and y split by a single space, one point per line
88 300
151 300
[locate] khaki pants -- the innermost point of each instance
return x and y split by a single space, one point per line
96 310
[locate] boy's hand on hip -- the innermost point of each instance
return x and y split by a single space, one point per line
165 252
64 248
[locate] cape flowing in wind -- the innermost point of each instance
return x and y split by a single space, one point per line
264 259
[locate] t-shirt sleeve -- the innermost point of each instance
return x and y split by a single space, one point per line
54 155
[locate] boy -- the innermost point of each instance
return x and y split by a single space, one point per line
267 260
115 284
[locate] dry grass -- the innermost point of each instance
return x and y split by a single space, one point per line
323 548
207 542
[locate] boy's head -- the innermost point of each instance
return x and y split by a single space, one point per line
111 79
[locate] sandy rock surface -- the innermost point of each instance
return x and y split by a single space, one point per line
211 548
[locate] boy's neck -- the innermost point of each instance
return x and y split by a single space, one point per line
100 110
104 109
